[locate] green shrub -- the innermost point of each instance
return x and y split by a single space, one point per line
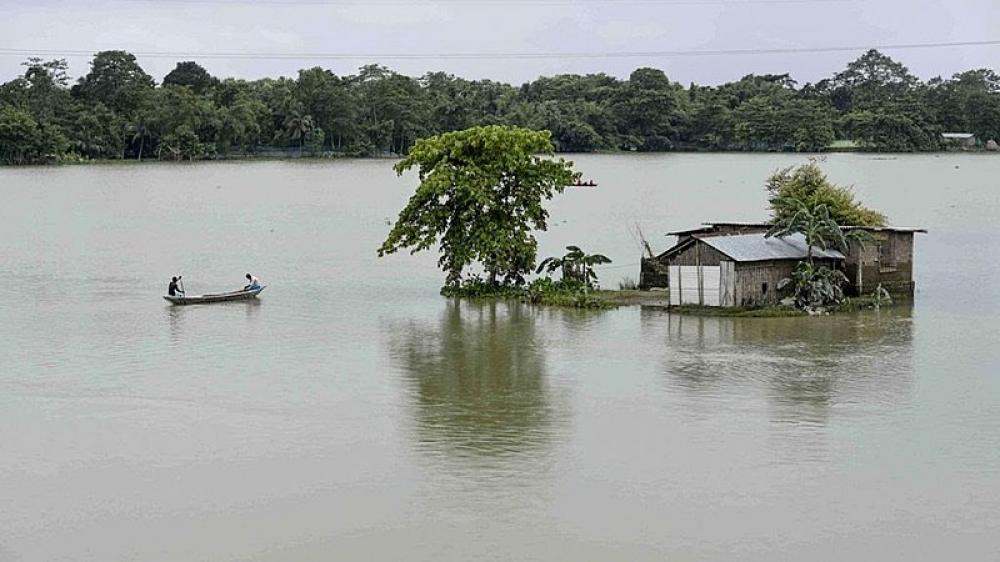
815 286
568 293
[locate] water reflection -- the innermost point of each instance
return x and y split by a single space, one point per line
477 381
178 317
806 367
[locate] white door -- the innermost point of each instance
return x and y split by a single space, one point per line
685 284
710 276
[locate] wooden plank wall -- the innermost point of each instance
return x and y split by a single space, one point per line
751 278
727 283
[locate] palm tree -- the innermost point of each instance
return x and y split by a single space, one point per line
814 286
818 228
139 133
297 127
575 264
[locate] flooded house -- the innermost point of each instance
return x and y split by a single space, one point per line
736 264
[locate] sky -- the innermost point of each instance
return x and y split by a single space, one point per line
658 32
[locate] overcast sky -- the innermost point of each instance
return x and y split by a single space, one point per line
60 28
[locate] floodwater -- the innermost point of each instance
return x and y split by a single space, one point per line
354 414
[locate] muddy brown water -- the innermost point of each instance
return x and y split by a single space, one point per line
353 413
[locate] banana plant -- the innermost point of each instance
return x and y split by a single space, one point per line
576 265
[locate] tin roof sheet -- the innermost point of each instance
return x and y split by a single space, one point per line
758 247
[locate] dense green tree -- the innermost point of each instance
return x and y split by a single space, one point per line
330 102
648 110
45 89
872 79
116 80
181 143
177 107
192 75
116 111
806 187
481 194
95 132
968 102
393 110
26 141
242 118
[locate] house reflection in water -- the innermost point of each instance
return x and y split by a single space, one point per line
804 366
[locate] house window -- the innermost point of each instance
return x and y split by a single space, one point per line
886 255
763 288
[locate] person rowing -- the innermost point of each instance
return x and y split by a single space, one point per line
176 287
253 284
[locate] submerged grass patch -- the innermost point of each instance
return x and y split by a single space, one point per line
738 312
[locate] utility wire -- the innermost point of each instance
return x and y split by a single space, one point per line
501 56
525 3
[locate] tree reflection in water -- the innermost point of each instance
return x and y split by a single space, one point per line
477 381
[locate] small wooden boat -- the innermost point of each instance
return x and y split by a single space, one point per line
240 295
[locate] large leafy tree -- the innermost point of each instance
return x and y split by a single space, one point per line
192 75
871 79
178 113
330 101
481 194
116 80
243 117
648 110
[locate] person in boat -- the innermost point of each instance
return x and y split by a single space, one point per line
174 289
254 283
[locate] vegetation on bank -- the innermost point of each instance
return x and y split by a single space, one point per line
566 293
117 111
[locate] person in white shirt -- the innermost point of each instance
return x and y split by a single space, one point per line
254 283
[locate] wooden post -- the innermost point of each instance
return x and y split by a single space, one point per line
680 290
701 280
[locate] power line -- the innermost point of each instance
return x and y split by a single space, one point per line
500 56
525 3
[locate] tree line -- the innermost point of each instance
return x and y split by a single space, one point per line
118 111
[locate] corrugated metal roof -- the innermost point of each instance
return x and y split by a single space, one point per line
846 227
960 136
689 231
913 229
757 247
712 226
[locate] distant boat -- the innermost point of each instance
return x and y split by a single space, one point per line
240 295
580 183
